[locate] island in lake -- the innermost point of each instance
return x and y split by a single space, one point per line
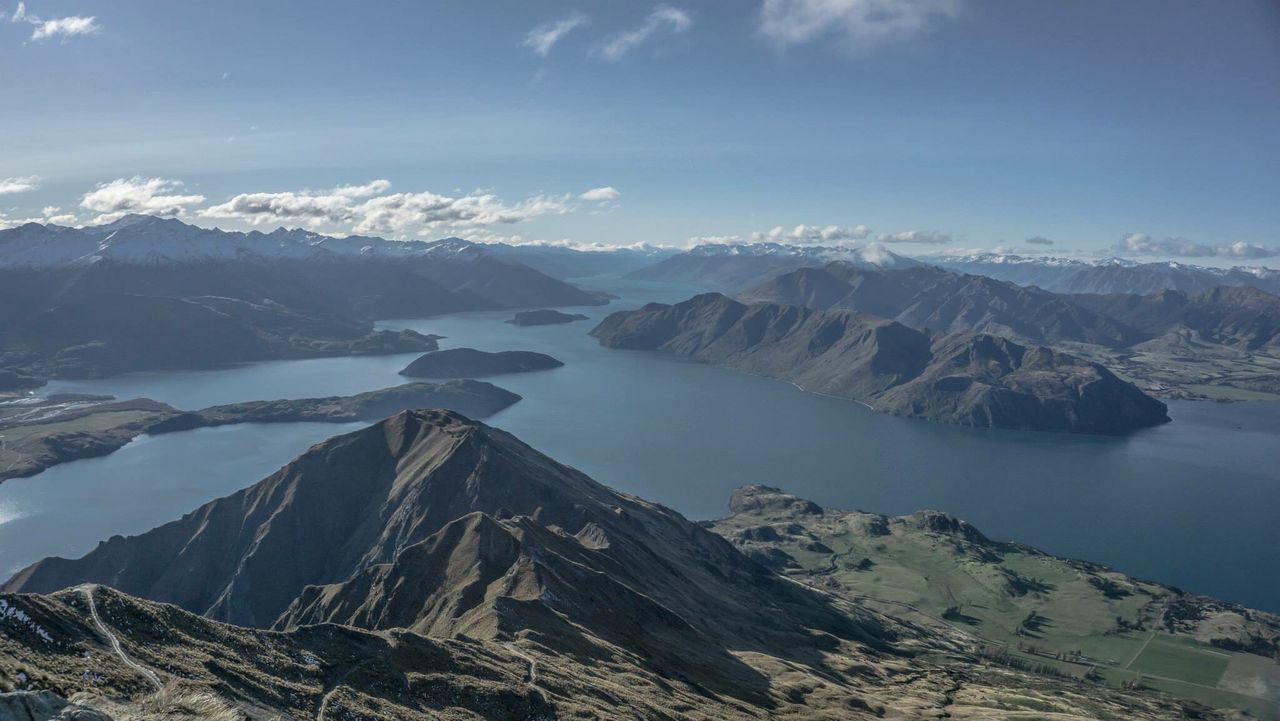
544 317
472 363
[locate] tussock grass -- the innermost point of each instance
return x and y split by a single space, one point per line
173 703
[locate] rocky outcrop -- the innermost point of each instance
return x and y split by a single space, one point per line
44 706
964 379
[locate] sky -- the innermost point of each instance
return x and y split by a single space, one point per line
1141 128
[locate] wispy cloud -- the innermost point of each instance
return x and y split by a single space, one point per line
148 196
855 24
8 186
599 195
663 19
544 37
1144 244
1038 240
927 237
64 28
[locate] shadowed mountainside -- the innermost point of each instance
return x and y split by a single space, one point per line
149 293
964 379
930 298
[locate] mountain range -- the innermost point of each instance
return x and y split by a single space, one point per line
1110 275
430 566
960 378
149 293
926 297
731 267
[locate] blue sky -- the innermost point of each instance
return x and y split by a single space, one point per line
936 124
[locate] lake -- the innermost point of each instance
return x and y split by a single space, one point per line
1194 503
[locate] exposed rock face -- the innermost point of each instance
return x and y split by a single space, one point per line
942 301
544 317
965 379
472 363
44 706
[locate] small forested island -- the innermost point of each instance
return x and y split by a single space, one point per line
472 363
544 317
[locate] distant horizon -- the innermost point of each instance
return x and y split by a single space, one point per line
1145 129
938 254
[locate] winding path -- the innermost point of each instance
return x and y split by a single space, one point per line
115 642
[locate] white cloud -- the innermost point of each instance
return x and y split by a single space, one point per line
1038 240
259 208
927 237
1144 244
598 195
65 28
22 184
147 196
805 234
542 38
365 209
859 24
402 213
50 215
663 18
57 27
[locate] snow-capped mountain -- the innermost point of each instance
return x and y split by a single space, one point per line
870 255
732 267
1110 275
142 239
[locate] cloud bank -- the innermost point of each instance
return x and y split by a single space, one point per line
1144 244
148 196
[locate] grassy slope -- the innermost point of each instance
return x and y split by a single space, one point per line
1042 609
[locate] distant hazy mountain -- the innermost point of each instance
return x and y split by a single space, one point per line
730 268
150 293
567 263
925 297
963 378
1110 275
1244 318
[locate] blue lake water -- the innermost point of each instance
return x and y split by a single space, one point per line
1195 503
